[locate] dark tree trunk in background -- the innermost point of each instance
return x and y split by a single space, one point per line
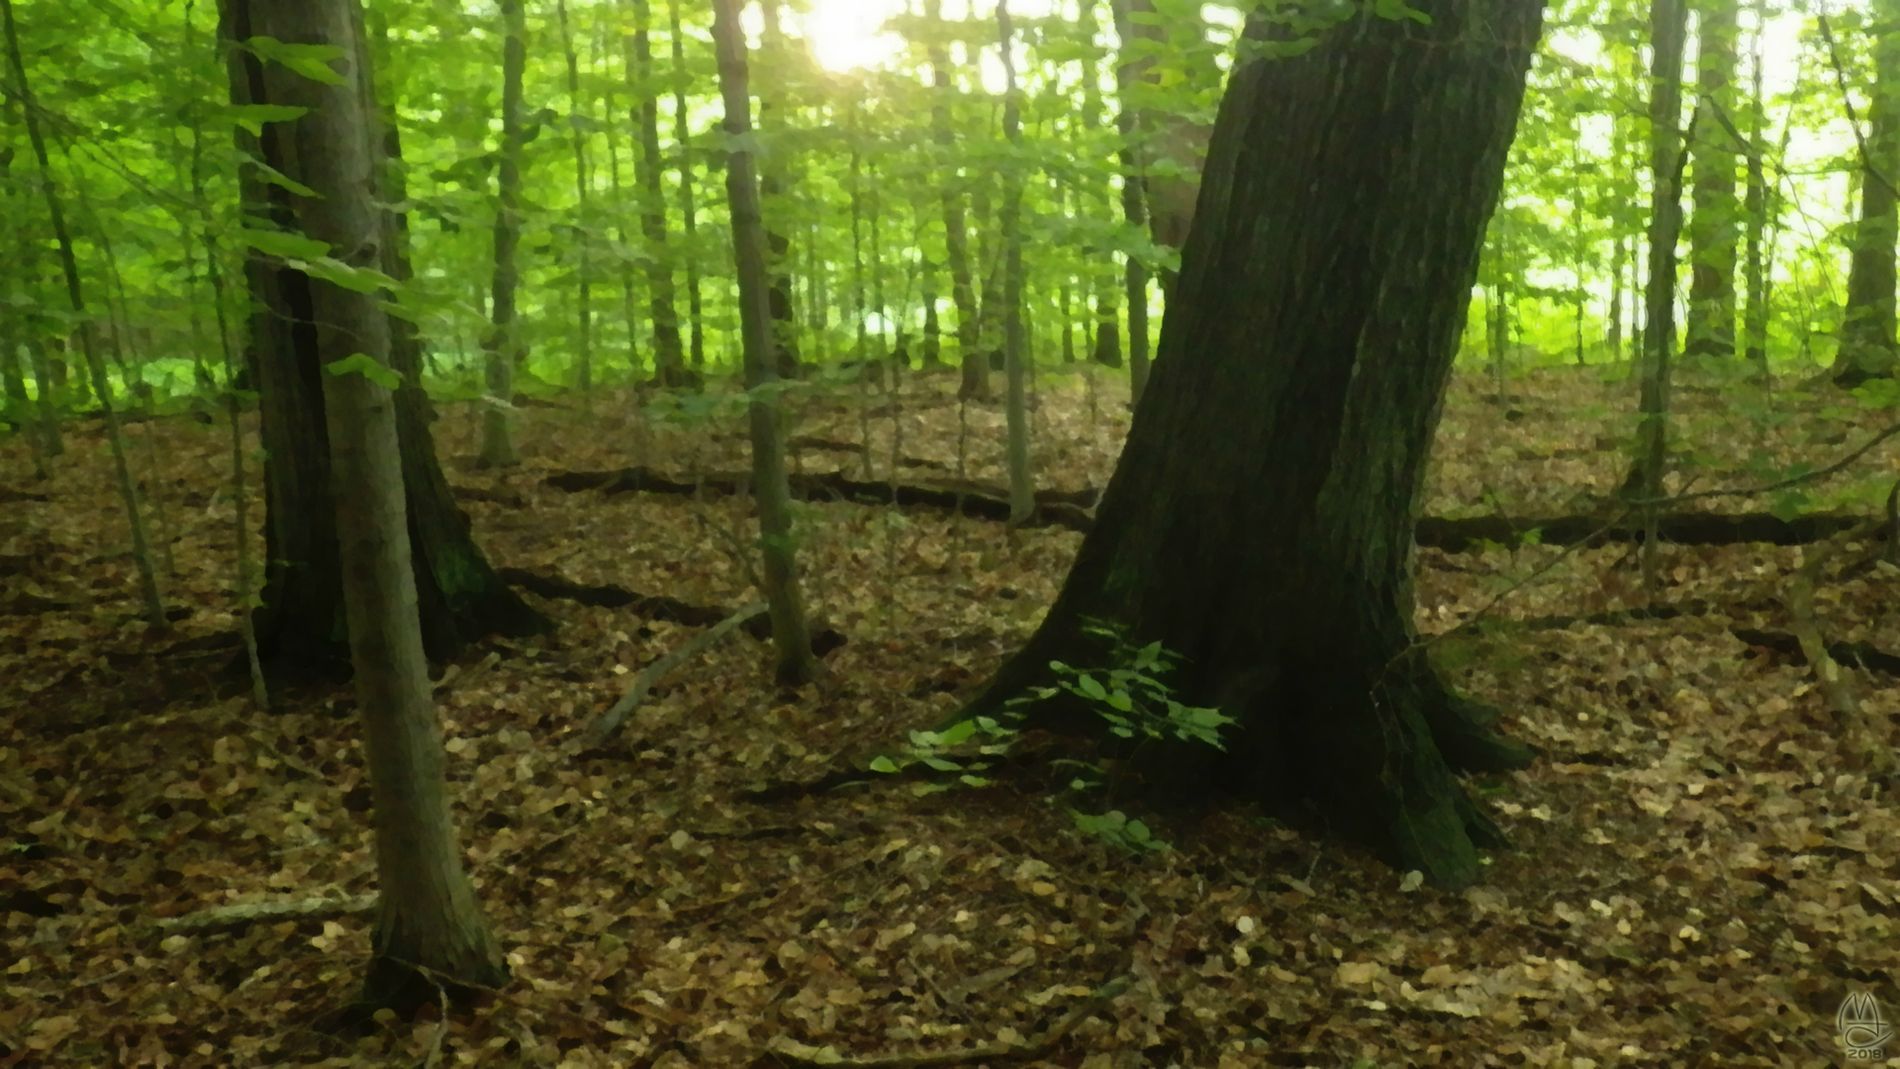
689 209
772 187
1867 348
1260 521
1715 222
300 626
1130 123
669 355
503 352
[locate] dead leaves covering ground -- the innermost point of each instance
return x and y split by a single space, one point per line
1697 879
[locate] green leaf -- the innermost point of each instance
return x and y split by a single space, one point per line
367 366
252 117
883 764
311 61
284 244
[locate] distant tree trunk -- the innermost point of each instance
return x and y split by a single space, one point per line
429 927
584 229
1755 210
623 248
1247 486
791 634
152 602
689 209
1022 489
43 391
668 354
956 232
1867 343
1714 224
1668 19
300 627
1107 349
502 348
1130 123
772 188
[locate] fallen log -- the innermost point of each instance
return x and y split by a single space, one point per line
654 606
1459 535
1054 508
1070 509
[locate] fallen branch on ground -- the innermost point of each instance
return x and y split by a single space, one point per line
1054 508
652 606
239 914
643 681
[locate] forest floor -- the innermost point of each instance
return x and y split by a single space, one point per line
1701 872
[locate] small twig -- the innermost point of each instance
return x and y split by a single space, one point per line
610 722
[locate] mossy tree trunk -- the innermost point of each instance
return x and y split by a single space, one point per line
1260 520
300 624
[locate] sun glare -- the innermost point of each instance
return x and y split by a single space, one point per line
848 35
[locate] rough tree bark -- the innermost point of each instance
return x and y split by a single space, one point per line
300 625
429 928
1260 520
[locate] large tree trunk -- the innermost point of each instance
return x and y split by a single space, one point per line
1715 223
300 626
1260 521
429 927
1867 348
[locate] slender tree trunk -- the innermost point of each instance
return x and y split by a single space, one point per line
1867 344
1022 489
503 349
1129 121
668 355
153 603
623 252
1755 210
689 209
429 928
772 188
1278 457
791 634
1668 19
584 230
956 231
1714 225
44 389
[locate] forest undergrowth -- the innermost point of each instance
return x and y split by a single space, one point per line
1700 872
